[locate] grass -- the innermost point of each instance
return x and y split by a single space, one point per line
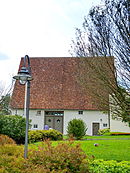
107 137
108 149
118 150
103 137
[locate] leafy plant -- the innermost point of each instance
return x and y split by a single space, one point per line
103 131
40 135
63 158
13 126
76 128
4 139
109 166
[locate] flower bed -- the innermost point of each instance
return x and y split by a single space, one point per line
119 133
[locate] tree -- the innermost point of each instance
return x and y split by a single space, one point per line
5 95
4 105
106 34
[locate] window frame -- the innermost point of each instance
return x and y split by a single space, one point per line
39 114
35 126
80 112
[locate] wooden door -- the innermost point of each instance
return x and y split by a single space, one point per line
58 123
54 122
96 127
49 121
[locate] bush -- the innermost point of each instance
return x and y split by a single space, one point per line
63 158
13 126
76 128
4 139
11 159
109 166
103 131
40 135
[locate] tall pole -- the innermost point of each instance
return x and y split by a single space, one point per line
24 76
26 113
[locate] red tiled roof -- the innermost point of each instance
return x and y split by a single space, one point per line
54 86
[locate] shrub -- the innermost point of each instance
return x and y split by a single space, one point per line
109 166
4 139
11 159
40 135
13 126
76 128
63 158
103 131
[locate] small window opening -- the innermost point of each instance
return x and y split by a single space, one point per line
35 126
104 125
38 113
80 112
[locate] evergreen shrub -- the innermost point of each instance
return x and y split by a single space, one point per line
40 135
13 126
76 128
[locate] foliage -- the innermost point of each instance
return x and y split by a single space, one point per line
103 131
105 34
109 166
11 159
76 128
13 126
62 158
4 139
65 156
4 105
40 135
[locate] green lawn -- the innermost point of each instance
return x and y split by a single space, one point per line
104 137
108 137
108 149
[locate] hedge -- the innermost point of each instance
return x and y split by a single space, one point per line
40 135
13 126
111 166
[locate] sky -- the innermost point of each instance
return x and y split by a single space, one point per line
38 28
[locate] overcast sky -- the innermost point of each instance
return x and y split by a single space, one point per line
38 28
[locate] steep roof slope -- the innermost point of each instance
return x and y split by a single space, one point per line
54 86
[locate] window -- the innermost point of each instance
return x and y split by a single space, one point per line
54 113
35 126
80 112
104 125
38 113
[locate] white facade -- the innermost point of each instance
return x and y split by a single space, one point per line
88 116
116 125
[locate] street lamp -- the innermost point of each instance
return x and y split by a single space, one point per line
24 77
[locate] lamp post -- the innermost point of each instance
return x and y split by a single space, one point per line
24 77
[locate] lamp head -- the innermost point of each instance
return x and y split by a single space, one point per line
23 76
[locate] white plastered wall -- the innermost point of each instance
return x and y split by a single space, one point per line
116 125
35 119
88 117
